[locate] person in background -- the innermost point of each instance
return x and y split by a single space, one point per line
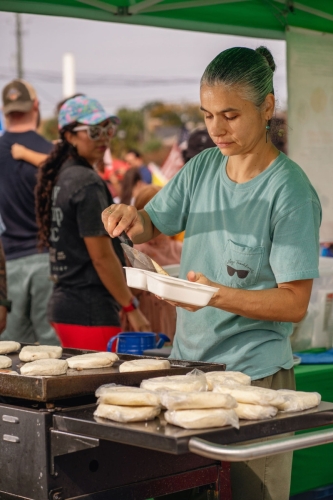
20 152
86 266
27 270
326 249
131 186
198 141
135 159
5 304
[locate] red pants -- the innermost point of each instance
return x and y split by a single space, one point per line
94 338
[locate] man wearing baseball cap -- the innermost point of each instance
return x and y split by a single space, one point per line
29 287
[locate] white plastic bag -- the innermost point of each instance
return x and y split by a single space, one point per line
195 381
174 400
127 413
227 378
251 394
255 412
298 400
122 395
202 419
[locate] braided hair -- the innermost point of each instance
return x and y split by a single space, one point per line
47 178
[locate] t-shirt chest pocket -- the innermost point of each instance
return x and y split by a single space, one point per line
241 265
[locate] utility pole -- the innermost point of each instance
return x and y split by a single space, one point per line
19 58
68 75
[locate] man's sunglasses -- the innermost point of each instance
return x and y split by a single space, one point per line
241 273
95 132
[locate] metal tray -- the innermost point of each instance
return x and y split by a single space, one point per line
158 435
81 383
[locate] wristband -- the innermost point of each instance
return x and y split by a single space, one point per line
134 304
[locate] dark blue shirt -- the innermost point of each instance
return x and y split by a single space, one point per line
145 174
17 200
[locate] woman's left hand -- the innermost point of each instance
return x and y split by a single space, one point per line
195 278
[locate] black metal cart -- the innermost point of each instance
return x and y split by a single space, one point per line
52 446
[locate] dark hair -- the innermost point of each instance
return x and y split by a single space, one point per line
135 152
250 70
47 178
131 178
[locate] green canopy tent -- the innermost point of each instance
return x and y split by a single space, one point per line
257 18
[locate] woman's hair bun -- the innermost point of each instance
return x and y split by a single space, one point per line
268 56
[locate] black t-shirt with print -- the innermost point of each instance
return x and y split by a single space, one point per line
79 297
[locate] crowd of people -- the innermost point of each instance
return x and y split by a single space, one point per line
61 275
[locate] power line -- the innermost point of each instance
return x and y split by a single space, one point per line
104 80
19 56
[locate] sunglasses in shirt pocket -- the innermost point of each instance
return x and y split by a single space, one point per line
241 265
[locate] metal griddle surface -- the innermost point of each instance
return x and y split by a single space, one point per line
81 383
160 436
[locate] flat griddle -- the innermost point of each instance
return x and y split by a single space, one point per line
85 382
158 435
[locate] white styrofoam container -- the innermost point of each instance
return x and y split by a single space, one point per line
136 278
179 290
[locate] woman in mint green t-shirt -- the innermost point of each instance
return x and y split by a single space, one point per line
252 220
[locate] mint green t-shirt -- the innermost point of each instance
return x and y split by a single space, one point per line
252 236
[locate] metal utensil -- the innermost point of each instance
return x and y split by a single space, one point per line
137 259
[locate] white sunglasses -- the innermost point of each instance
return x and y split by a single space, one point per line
95 132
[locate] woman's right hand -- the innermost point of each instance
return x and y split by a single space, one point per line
119 218
138 321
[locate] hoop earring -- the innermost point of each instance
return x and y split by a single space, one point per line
267 130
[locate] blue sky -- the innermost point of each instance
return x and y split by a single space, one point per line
119 64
